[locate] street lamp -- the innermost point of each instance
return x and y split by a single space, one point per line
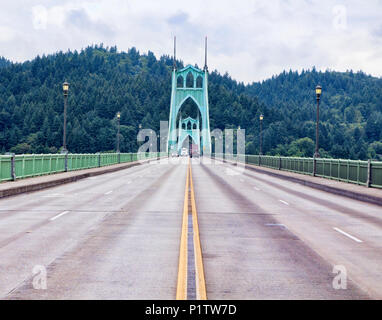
318 96
261 133
118 119
65 88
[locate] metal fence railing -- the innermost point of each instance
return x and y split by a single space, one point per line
14 167
366 173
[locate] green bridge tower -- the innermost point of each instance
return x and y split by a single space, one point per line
189 83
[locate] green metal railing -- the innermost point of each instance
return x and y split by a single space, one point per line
366 173
376 174
14 167
5 168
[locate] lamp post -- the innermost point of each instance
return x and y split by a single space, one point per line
318 96
65 88
118 119
261 133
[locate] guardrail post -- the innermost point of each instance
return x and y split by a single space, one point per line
280 163
66 161
260 160
314 166
368 182
13 166
119 157
99 159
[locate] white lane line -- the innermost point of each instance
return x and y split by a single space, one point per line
284 202
109 192
348 235
276 225
59 215
256 188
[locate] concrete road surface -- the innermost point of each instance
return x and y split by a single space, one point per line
265 238
118 239
117 236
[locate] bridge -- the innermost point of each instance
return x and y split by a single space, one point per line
188 229
152 226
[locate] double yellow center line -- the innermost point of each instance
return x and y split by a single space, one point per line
191 281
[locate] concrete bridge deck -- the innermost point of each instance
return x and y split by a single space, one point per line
118 236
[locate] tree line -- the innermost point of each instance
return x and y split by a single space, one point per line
104 81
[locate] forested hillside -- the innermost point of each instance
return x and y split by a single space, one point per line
4 62
104 81
350 113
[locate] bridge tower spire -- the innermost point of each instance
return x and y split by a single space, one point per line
174 52
205 55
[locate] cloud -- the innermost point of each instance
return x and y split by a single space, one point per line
377 32
250 39
6 34
80 19
40 17
178 18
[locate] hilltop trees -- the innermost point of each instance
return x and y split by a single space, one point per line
104 81
350 112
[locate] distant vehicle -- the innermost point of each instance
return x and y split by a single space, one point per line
194 152
174 154
184 152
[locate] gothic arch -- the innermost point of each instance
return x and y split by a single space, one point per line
180 82
199 82
180 142
184 100
189 80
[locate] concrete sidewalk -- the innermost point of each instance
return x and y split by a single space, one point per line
12 188
350 190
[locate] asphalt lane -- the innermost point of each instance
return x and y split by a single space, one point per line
118 240
344 231
263 242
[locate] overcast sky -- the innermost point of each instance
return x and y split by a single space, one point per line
250 39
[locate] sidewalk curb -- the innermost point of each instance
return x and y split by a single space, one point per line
12 191
346 193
